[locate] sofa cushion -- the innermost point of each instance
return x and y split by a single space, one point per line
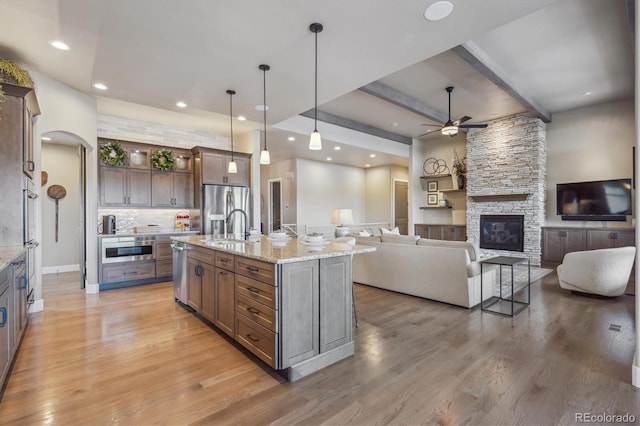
400 239
394 231
471 249
372 239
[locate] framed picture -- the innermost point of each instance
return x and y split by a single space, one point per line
432 186
432 199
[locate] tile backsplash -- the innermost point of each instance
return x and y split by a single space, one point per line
128 219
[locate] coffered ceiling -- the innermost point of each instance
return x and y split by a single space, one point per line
545 53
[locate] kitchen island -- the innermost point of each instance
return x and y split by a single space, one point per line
288 302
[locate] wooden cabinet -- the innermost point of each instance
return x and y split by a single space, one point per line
20 295
610 238
441 232
201 282
224 316
214 166
123 187
557 241
171 189
6 313
164 256
138 157
128 271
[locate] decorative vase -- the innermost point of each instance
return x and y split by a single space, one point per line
454 180
461 181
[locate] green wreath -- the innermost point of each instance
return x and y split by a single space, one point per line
112 154
163 159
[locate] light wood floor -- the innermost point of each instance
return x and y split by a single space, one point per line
133 356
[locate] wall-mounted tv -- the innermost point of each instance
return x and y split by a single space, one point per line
606 200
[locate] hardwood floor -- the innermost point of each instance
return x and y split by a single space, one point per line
133 356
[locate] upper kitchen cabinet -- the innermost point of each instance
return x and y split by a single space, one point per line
123 187
171 189
183 161
138 157
18 113
213 166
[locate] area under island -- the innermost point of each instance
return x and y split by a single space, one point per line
288 302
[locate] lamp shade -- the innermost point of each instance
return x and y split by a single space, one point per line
265 158
315 142
342 217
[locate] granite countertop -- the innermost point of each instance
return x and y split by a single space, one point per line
293 250
9 254
147 234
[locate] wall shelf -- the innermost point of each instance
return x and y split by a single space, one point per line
434 207
435 176
452 190
499 197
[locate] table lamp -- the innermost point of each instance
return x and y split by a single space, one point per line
341 217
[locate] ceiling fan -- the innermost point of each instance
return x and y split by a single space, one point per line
450 128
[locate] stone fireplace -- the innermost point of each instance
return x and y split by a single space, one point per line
506 170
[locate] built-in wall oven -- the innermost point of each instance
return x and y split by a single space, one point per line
127 249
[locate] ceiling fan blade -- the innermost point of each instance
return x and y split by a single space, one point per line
462 120
432 125
427 133
474 126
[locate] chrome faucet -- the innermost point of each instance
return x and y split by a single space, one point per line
246 221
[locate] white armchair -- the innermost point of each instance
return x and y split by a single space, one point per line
605 272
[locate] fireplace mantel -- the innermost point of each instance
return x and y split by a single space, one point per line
485 197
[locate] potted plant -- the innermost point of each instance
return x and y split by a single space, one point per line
12 73
460 169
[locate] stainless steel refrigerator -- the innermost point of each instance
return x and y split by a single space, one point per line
218 201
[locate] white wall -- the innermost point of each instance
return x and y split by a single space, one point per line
379 192
62 164
286 171
322 187
593 143
67 110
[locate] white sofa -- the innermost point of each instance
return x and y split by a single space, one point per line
604 272
445 271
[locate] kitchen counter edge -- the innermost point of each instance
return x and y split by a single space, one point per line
10 253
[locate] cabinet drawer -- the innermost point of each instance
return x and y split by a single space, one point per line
257 339
203 255
164 268
258 312
128 271
225 261
163 251
255 290
261 271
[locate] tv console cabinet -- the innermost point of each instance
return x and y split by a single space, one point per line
558 241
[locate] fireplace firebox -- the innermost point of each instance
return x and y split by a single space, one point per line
502 232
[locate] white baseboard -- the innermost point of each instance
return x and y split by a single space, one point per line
92 289
60 268
36 306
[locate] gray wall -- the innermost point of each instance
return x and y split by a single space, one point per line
62 164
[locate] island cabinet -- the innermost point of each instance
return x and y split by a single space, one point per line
201 282
224 293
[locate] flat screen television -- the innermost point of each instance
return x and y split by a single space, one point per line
606 200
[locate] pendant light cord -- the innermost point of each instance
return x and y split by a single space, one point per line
231 121
315 110
264 87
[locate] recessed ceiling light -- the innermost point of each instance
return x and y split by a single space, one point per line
394 124
291 139
329 158
372 156
100 86
60 45
262 107
586 93
337 148
242 118
46 138
367 165
181 104
438 10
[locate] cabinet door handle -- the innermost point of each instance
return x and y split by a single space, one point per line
31 165
224 260
253 290
4 317
254 311
253 338
253 269
225 273
131 273
25 282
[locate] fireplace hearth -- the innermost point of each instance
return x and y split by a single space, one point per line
502 232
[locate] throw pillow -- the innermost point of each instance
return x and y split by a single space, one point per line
364 233
394 231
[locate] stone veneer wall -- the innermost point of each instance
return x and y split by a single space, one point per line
509 157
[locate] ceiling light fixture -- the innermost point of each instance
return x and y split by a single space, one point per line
291 139
46 138
337 148
449 129
438 11
329 158
372 155
232 168
181 104
264 155
315 142
367 165
586 94
60 45
100 86
242 118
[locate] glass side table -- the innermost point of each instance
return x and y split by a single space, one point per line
500 305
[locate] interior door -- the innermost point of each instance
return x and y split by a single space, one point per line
275 204
401 206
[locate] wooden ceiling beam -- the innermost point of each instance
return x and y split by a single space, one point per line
486 66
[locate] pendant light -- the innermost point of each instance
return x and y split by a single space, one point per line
233 168
315 142
264 155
